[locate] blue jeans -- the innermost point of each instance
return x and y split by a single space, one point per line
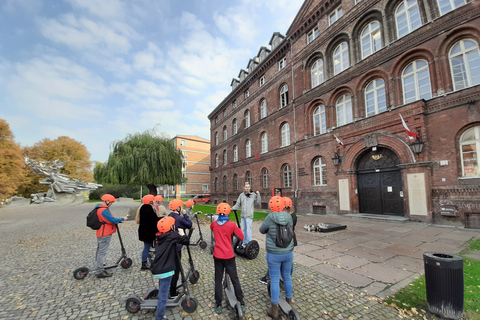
163 285
146 250
102 247
247 230
280 264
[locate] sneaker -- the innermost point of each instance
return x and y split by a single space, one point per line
145 266
104 274
218 309
263 280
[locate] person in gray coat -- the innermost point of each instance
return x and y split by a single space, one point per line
279 260
246 200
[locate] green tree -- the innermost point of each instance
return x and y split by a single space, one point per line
12 167
142 159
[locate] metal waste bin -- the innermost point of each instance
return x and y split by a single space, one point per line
444 284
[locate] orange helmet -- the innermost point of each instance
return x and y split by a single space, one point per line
165 224
189 203
224 208
159 198
108 197
148 198
276 204
288 202
175 203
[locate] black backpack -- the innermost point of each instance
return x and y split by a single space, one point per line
92 220
284 235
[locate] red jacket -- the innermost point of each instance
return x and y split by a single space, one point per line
107 228
223 239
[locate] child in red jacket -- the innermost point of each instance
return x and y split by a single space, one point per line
223 256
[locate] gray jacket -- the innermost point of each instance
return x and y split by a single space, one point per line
247 204
269 227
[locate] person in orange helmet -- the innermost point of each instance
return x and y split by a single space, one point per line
146 219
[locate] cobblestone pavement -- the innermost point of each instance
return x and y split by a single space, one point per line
43 244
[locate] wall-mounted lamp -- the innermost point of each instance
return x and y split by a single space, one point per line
337 159
417 146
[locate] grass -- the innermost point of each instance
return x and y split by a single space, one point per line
257 216
412 300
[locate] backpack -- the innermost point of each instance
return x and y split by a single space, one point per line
93 221
284 235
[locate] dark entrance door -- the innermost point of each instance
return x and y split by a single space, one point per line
380 187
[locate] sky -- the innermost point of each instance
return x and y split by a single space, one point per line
96 71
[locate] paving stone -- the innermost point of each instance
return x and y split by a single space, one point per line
382 272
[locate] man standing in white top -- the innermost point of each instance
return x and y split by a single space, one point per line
246 200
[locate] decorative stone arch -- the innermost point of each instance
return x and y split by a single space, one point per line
333 100
458 135
328 64
309 114
362 22
390 8
365 80
308 65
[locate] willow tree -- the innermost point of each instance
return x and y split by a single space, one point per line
142 159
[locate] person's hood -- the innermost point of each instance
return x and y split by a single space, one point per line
222 219
280 218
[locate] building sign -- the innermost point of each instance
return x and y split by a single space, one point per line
448 210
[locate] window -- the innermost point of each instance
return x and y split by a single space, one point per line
358 1
264 139
265 178
216 160
216 120
319 120
287 176
216 138
261 82
248 177
247 94
183 187
469 146
234 104
247 119
284 96
446 6
225 184
225 160
416 82
204 187
248 149
317 73
285 135
282 64
375 101
312 35
183 143
235 153
335 15
235 182
263 108
225 135
371 39
465 64
224 113
344 110
234 127
216 184
320 172
341 60
407 17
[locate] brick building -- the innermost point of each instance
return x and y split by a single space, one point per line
196 152
349 70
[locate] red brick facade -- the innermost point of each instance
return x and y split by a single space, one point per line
432 186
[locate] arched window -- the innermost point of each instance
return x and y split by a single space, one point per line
371 39
235 182
265 178
247 119
465 64
248 149
341 61
225 135
407 17
216 138
446 6
234 127
225 160
216 160
375 101
263 108
284 96
235 153
319 172
344 110
285 134
248 177
225 184
216 184
416 82
264 139
316 72
319 120
287 176
470 147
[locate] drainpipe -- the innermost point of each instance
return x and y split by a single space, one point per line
294 120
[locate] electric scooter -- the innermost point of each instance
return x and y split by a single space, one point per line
124 261
200 242
286 308
250 251
213 217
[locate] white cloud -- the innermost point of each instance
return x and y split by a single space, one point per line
104 8
238 23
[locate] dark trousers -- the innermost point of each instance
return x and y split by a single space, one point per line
173 284
230 268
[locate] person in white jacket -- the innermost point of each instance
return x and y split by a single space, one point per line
246 200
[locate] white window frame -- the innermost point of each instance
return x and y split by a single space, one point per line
248 177
247 119
416 77
319 120
183 143
282 63
264 140
261 81
235 182
248 148
287 176
375 97
216 138
284 96
312 35
235 126
205 187
285 130
341 59
343 107
409 13
216 161
445 6
316 73
263 109
225 157
319 172
335 15
470 156
247 94
468 67
235 153
265 178
371 39
225 133
234 104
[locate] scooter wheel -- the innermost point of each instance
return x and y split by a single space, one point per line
133 304
126 263
203 244
81 273
293 315
194 277
239 311
252 249
189 304
152 294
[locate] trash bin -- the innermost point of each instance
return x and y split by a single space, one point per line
444 284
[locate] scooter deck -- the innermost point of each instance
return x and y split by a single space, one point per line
329 227
232 299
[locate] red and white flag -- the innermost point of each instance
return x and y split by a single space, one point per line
411 135
339 141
